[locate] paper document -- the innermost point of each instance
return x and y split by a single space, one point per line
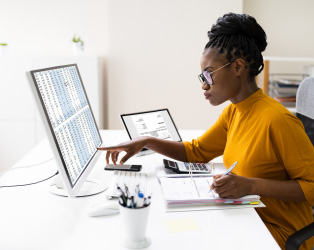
187 191
151 125
187 188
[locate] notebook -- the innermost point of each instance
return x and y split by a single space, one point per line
186 191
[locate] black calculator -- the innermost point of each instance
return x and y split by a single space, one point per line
188 167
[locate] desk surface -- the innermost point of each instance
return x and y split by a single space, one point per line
33 218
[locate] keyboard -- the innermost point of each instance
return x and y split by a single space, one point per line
131 179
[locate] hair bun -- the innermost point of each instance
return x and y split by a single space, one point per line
235 24
239 36
254 30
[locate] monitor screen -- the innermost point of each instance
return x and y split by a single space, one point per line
156 123
69 116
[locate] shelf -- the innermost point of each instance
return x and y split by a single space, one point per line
267 60
288 59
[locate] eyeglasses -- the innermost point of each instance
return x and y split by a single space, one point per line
207 76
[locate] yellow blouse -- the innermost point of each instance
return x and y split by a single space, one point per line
268 142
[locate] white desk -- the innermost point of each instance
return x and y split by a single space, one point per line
33 218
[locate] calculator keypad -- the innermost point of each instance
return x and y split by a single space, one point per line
195 166
186 167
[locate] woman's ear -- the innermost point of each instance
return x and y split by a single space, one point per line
240 66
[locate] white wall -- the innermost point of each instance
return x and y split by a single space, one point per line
153 49
46 27
41 31
288 25
154 53
289 28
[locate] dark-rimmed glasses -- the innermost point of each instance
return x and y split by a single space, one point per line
206 76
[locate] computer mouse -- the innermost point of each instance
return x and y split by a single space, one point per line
104 209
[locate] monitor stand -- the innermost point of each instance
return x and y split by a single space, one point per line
90 187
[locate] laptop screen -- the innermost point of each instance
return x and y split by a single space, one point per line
156 123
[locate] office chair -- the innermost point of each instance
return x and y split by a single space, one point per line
305 112
305 106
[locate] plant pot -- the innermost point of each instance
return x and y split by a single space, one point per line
77 49
4 50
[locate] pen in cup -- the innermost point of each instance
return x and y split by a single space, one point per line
129 202
147 201
138 200
226 173
122 198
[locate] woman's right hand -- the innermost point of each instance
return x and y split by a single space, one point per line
130 147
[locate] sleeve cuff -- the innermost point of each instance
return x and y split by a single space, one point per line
307 188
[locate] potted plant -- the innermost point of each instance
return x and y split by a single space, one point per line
77 45
3 49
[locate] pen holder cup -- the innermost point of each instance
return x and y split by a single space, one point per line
134 222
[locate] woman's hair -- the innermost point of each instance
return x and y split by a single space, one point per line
239 36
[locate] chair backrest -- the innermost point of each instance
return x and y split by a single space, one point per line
305 106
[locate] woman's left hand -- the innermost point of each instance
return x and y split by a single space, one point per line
232 186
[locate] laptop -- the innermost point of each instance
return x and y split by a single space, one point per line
154 123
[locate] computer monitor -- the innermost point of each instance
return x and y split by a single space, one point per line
71 128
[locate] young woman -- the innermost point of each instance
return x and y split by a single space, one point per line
275 156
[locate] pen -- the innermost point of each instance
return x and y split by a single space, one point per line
120 190
140 200
227 172
230 169
129 202
136 201
126 190
121 201
146 202
122 196
136 191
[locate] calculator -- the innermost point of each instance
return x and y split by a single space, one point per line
188 167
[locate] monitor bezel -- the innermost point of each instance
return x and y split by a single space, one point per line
145 112
71 188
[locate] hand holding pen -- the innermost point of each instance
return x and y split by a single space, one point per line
232 186
226 173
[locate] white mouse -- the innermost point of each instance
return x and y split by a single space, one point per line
103 209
